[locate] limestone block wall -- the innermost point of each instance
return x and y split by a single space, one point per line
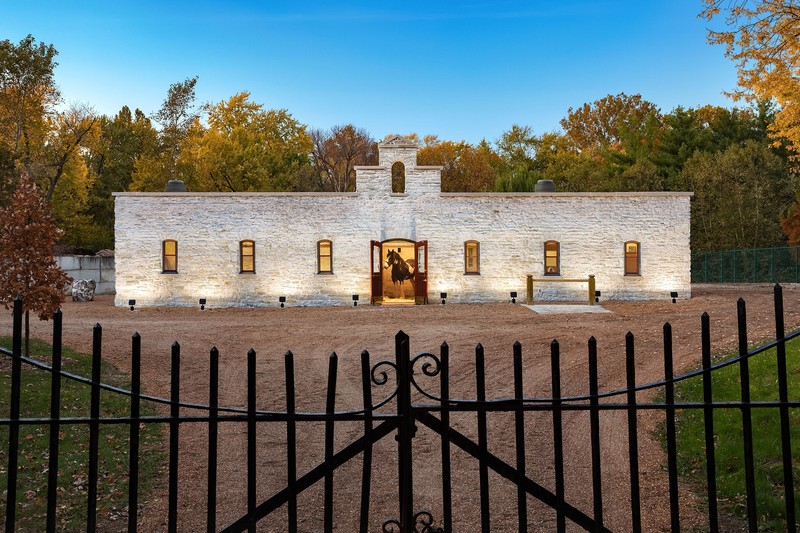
590 228
511 229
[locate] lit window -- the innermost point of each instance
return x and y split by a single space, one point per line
324 257
472 257
552 263
169 256
632 256
247 256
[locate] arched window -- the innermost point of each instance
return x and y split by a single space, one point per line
552 260
399 177
324 257
472 257
247 257
632 258
169 256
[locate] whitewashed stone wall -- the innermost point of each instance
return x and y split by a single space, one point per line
511 229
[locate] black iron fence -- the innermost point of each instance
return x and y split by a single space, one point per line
404 404
755 265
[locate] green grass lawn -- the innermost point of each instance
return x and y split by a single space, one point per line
74 446
728 430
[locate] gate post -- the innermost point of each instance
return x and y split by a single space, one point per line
529 287
405 432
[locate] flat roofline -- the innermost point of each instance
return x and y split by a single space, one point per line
240 194
564 194
443 194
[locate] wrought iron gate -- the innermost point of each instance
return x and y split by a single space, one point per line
405 401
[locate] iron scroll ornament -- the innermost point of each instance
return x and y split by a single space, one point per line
423 523
430 367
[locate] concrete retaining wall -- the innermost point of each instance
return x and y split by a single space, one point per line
100 269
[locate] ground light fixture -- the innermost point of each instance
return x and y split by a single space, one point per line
597 295
513 297
202 304
355 300
443 296
132 303
673 295
282 300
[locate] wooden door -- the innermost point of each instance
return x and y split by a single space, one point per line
421 273
376 271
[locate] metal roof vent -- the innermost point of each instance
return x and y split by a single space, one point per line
179 186
545 186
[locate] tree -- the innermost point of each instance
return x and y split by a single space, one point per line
761 37
248 148
111 160
790 223
739 196
27 93
465 167
71 130
601 124
27 267
335 154
177 116
518 145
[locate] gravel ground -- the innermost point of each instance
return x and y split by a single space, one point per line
313 333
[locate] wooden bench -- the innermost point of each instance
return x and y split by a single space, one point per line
589 280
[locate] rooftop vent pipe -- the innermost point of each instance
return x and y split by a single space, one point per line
179 186
545 186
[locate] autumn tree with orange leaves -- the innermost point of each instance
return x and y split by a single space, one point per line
760 36
27 266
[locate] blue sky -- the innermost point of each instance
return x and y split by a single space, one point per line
461 70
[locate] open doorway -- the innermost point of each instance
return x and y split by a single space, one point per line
399 271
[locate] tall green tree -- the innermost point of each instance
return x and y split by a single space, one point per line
248 148
111 161
176 116
740 194
179 128
28 94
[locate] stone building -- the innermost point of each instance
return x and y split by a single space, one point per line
397 242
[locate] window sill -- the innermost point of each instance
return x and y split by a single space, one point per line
472 273
324 273
169 272
553 275
633 275
248 272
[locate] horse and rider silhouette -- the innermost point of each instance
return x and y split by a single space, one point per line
402 269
